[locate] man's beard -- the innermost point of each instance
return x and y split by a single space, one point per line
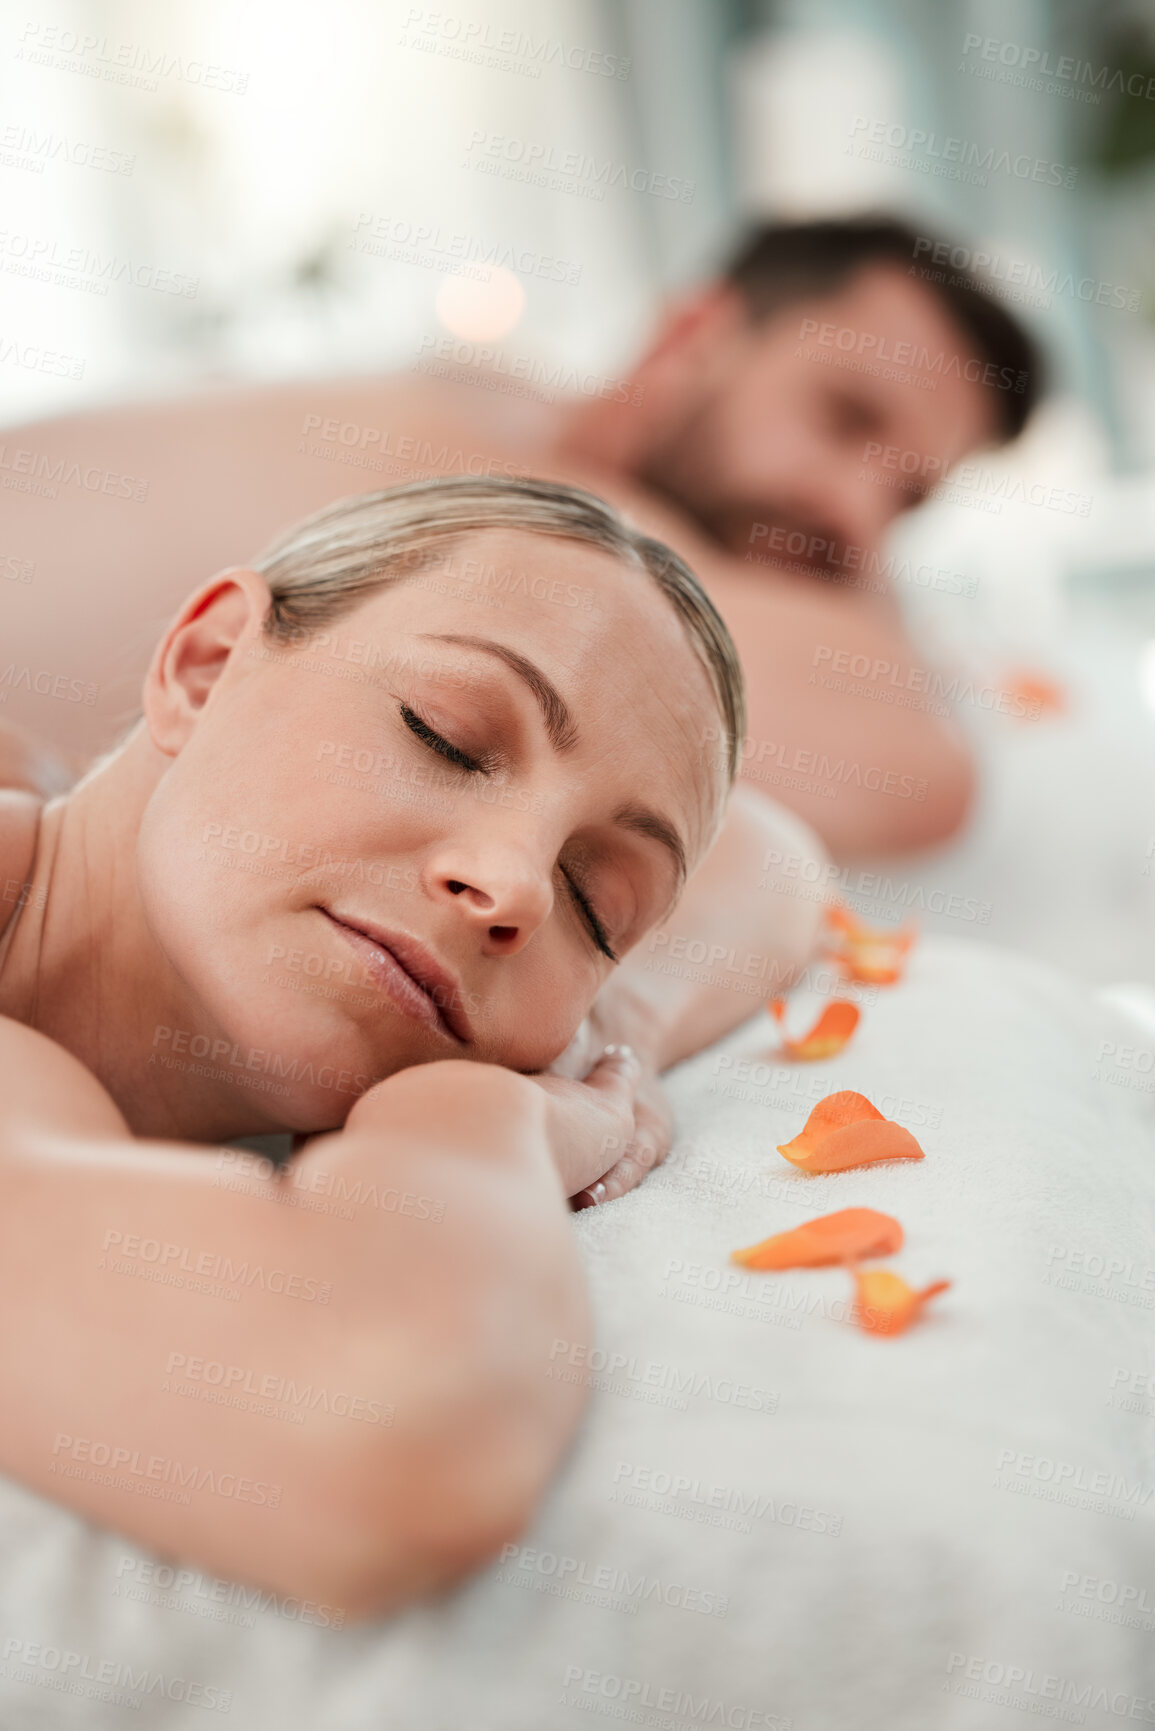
768 530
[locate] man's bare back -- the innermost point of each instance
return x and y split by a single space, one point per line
127 509
152 498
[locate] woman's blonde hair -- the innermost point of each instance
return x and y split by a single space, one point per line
325 565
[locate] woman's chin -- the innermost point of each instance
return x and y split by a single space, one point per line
312 1052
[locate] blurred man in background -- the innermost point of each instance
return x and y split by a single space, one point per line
781 418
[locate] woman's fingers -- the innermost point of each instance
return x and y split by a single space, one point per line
588 1198
648 1149
645 1153
616 1074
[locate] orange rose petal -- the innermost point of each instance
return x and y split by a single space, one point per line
845 1130
847 1236
828 1035
886 1304
855 1145
874 955
1038 694
844 919
873 964
832 1112
835 1110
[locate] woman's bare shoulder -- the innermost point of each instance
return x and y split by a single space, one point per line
19 827
40 1082
43 1085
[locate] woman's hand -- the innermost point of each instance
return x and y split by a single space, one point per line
653 1133
605 1131
608 1130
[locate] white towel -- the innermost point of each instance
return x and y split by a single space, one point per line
769 1515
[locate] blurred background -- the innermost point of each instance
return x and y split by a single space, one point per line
259 190
195 194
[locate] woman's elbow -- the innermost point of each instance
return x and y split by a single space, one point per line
793 867
951 791
372 1554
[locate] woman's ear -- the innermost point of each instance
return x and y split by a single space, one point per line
222 617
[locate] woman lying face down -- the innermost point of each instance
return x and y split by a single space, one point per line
400 798
372 819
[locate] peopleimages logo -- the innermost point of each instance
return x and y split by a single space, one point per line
134 63
549 1571
992 267
880 679
949 157
481 43
156 1583
634 1693
130 1469
46 684
1099 1490
1043 1686
50 260
939 363
1037 64
863 567
575 171
170 1044
204 1377
25 147
89 1674
182 1259
425 243
624 1373
35 472
493 368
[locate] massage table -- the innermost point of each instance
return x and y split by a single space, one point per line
768 1515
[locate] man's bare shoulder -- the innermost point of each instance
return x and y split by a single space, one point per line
717 566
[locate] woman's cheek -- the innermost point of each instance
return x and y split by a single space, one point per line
546 1012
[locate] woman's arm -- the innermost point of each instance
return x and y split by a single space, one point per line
333 1382
743 932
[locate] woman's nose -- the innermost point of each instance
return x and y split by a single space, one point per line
504 894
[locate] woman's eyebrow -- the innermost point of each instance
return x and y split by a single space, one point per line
559 723
644 821
562 731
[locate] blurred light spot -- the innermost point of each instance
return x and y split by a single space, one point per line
480 311
1147 674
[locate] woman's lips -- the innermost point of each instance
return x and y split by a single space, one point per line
407 973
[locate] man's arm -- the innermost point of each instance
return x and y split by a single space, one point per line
374 1325
863 757
871 776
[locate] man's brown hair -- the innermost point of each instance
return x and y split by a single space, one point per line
778 263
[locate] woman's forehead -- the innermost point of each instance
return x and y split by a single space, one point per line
597 630
585 607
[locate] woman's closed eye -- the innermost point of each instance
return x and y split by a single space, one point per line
584 906
437 743
452 754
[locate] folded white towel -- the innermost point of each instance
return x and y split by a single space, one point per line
769 1515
